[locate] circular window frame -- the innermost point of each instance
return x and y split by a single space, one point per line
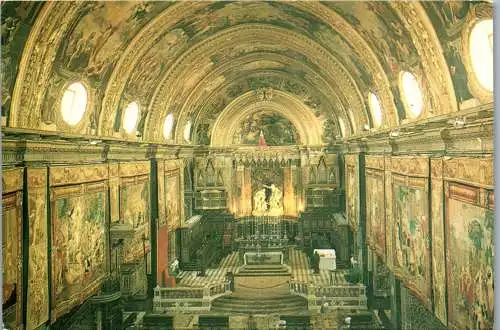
477 90
83 125
170 135
409 114
124 113
372 110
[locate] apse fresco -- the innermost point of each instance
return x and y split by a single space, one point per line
273 128
375 211
134 210
78 244
12 252
17 19
411 240
173 199
267 191
469 236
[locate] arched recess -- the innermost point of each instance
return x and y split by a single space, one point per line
169 92
308 126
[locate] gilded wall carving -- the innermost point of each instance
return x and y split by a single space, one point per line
12 254
38 261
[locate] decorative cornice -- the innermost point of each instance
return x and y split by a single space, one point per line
410 166
134 168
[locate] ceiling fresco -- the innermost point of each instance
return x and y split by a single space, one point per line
193 59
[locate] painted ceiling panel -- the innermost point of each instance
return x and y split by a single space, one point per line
193 58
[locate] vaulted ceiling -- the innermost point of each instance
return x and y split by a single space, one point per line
212 63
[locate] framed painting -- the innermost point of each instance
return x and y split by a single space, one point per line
173 198
411 236
469 230
79 243
135 210
352 190
375 211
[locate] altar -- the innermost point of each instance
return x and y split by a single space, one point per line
263 258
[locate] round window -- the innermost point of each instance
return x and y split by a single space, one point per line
168 125
375 110
481 52
130 117
74 103
412 94
187 131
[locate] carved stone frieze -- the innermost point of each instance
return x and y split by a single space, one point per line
134 168
77 174
375 162
12 179
469 170
410 165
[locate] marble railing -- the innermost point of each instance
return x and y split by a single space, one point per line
183 299
349 296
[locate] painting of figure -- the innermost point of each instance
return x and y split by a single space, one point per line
352 192
11 254
469 236
95 44
411 241
173 199
78 244
375 210
134 210
38 276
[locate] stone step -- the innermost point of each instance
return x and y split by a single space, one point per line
282 304
260 305
261 274
279 310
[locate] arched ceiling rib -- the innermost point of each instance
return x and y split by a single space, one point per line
166 55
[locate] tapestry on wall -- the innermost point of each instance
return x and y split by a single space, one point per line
375 211
78 244
352 190
38 275
410 235
12 254
173 199
469 236
267 191
134 210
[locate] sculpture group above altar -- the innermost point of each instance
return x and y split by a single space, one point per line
268 201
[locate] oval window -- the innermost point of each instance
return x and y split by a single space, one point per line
412 94
168 125
375 109
481 52
130 117
74 103
187 131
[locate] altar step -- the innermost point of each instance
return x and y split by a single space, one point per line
283 304
263 270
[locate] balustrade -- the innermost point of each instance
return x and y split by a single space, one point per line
338 296
188 299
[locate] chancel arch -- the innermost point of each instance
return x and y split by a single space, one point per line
280 102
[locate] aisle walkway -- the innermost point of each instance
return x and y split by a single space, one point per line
228 264
302 272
